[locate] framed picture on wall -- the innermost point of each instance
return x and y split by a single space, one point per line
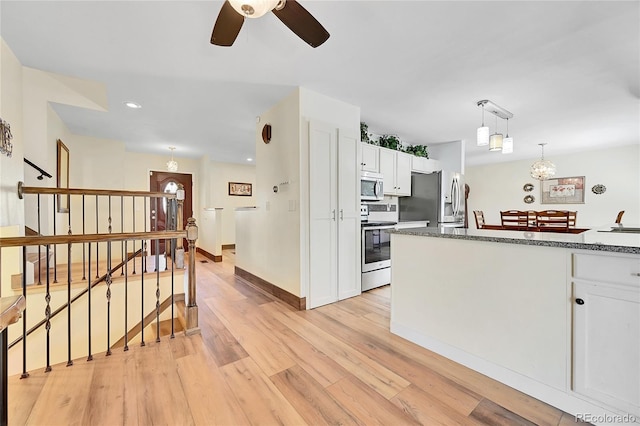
63 176
566 190
241 189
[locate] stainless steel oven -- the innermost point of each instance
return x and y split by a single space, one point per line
376 254
371 188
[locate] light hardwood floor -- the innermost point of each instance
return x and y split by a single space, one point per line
259 362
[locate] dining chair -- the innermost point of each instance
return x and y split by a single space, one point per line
619 217
479 215
573 215
553 220
514 219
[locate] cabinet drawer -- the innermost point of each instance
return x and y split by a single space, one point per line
611 269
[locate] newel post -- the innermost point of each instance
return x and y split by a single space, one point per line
191 313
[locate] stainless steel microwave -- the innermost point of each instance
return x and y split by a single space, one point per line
371 188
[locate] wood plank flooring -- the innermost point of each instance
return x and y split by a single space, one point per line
259 362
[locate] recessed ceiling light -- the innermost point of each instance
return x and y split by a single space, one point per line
249 159
133 105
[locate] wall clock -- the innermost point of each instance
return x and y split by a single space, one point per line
266 133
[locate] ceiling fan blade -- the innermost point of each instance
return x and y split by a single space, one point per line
302 23
227 26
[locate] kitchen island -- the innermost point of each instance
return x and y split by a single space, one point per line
556 316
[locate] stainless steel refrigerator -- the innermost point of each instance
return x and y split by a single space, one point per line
437 197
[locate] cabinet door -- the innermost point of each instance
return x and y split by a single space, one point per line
606 321
424 165
322 215
348 215
370 158
388 170
403 174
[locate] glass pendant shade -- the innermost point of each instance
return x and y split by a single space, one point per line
542 169
495 142
483 136
507 145
253 8
172 166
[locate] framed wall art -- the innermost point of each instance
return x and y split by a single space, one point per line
63 176
240 189
565 190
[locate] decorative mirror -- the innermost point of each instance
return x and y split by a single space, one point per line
63 176
529 199
528 187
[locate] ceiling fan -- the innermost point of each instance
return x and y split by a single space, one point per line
290 12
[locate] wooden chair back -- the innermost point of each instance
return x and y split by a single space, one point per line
479 214
619 217
555 219
572 219
514 219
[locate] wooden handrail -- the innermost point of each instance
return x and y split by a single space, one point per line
79 191
89 238
76 297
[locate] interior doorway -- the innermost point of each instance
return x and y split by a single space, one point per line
168 182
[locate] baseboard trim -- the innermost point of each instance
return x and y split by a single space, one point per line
228 246
209 255
299 303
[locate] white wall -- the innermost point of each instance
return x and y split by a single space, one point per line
498 187
450 154
11 168
267 238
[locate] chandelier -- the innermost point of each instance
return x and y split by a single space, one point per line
542 169
172 165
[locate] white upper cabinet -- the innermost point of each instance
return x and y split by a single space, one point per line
395 167
370 158
424 165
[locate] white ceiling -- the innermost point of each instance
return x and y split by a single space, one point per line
568 71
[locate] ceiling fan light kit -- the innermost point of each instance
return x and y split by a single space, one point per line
290 12
496 141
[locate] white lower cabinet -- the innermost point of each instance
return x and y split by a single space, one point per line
334 214
606 330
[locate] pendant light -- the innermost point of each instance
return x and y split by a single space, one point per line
542 169
483 131
172 165
507 143
495 142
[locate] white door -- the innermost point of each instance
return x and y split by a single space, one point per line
349 263
606 321
322 215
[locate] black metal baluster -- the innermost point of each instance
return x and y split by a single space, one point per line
124 255
39 248
126 297
97 245
90 355
134 230
144 250
172 297
109 290
84 245
55 246
24 374
47 314
69 361
157 286
144 253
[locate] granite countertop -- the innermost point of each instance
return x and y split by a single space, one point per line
588 240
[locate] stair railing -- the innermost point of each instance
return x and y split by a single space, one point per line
84 248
